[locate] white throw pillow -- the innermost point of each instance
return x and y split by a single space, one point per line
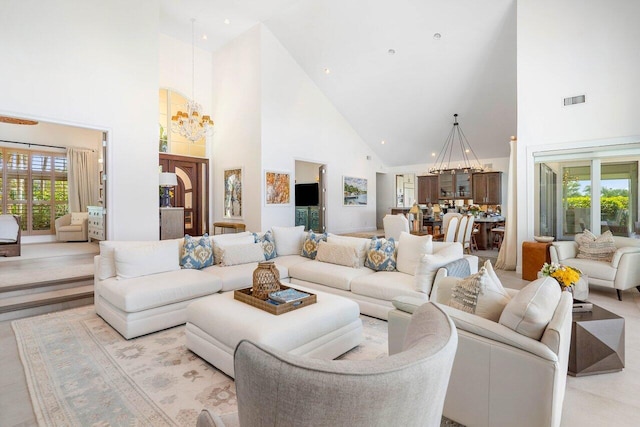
495 297
288 239
77 218
359 244
220 241
337 254
242 254
430 263
157 257
531 310
107 260
410 251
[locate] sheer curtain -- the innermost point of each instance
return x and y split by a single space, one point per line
82 178
507 257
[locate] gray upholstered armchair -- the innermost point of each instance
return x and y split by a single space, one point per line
407 389
72 227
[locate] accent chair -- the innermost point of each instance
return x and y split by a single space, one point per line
394 225
72 227
277 388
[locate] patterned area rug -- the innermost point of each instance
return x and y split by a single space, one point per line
81 372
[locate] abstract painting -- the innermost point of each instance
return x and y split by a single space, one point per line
233 193
277 188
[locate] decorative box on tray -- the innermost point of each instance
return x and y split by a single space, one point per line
274 307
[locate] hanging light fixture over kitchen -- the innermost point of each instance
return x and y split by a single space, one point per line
455 139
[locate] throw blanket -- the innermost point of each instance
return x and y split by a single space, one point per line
458 268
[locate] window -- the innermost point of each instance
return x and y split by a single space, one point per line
170 103
598 193
33 185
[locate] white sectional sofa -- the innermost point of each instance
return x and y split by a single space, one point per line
140 287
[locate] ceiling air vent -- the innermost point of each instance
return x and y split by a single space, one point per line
572 100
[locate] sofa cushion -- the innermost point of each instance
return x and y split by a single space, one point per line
332 275
337 254
289 260
8 229
196 252
599 248
359 244
242 254
381 255
310 244
69 228
268 244
146 292
158 257
78 218
531 309
221 240
430 263
107 249
386 285
288 239
481 294
593 269
410 251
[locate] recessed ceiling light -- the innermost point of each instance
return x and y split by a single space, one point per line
437 36
226 21
391 51
467 150
327 71
433 154
382 142
204 37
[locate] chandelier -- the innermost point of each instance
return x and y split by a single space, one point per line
455 139
192 124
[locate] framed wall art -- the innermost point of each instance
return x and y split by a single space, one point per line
277 186
233 192
354 190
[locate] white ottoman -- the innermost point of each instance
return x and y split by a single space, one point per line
324 330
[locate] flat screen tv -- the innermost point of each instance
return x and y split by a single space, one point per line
307 194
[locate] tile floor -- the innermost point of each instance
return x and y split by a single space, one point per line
598 400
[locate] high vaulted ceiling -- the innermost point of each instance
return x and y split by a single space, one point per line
407 98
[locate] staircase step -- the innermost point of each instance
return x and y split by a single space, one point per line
23 302
46 286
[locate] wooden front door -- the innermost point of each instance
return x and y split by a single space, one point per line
192 192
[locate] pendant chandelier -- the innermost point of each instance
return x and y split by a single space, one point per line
192 124
455 139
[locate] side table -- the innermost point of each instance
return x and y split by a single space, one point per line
534 255
597 342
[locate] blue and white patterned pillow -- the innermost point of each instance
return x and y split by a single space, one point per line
197 253
381 255
268 244
310 245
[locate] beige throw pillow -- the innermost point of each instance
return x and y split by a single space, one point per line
481 294
598 248
531 310
410 251
242 254
337 254
430 263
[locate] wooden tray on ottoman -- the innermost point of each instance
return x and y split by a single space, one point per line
245 295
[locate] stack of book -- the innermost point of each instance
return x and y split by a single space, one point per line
286 295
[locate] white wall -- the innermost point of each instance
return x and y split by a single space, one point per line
236 111
95 65
51 135
299 123
572 48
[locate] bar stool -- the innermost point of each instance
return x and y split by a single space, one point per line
474 233
497 234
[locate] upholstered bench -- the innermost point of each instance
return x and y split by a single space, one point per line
324 330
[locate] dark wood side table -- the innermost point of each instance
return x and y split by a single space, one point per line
534 255
597 342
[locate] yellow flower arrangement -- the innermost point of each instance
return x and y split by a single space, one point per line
566 276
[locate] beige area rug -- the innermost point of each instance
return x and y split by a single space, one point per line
48 250
81 372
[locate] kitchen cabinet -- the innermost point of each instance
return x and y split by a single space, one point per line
487 188
454 186
428 189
